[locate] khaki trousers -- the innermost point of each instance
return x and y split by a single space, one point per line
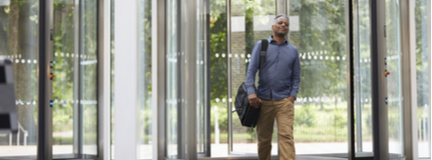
283 111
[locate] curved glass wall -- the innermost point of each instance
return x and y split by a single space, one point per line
75 84
19 42
317 28
145 149
423 76
172 80
218 78
66 81
362 79
89 76
250 22
394 83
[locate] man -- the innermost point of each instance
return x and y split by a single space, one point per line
278 87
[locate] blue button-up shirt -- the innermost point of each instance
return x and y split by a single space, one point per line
280 74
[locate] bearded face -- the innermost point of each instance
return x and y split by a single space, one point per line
281 27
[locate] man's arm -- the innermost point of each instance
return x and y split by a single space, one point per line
295 76
250 75
253 68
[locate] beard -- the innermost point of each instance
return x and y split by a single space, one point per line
281 34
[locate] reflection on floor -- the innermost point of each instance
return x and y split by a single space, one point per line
31 150
221 150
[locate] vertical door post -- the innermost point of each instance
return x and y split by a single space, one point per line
104 79
379 80
228 39
44 147
350 75
158 26
126 79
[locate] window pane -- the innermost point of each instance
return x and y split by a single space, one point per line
394 83
172 80
250 22
362 80
145 149
89 84
218 79
65 82
317 28
19 42
202 76
422 63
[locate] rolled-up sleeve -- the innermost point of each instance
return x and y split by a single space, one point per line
295 77
253 68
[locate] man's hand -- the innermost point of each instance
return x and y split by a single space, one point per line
254 100
291 98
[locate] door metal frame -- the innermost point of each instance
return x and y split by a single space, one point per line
44 146
104 79
349 19
229 95
159 80
409 88
379 81
430 83
357 110
190 21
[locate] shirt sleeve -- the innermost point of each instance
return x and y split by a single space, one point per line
253 68
295 77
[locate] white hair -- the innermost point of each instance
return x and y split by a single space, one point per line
281 16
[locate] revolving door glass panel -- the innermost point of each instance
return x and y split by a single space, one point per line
317 29
250 22
75 83
19 43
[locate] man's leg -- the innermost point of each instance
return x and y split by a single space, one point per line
265 129
285 122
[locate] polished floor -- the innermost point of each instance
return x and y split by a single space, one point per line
219 150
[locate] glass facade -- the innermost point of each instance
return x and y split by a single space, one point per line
173 83
362 79
145 90
74 65
250 22
394 83
218 78
19 42
66 83
423 76
317 28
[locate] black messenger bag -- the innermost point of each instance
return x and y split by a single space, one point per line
248 114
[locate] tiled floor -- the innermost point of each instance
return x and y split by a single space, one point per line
221 150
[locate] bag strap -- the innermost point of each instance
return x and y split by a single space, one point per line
264 46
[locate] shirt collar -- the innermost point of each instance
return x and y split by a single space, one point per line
271 40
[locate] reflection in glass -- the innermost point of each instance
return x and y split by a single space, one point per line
218 79
317 28
422 63
250 22
145 149
394 82
202 83
65 83
88 81
362 79
172 80
19 42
